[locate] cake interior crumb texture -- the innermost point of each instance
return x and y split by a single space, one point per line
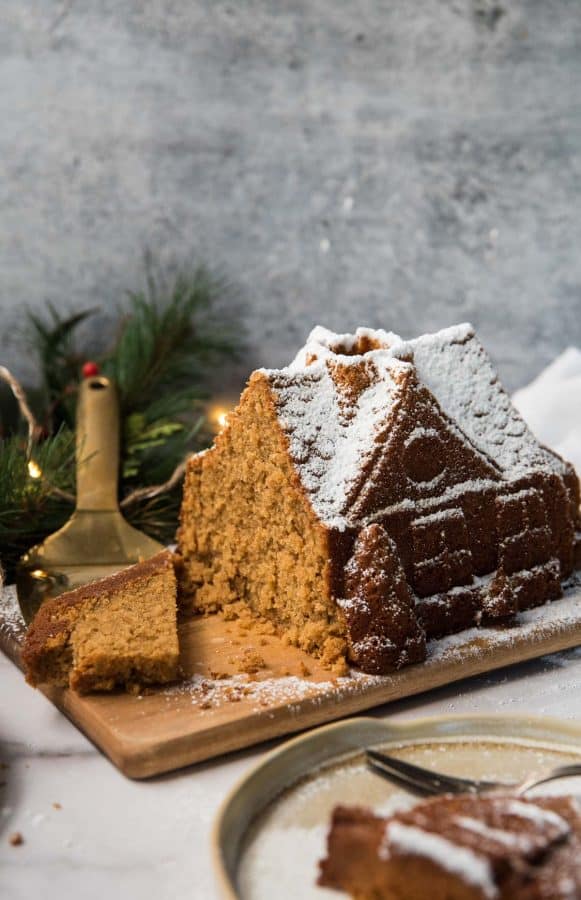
375 494
251 539
119 631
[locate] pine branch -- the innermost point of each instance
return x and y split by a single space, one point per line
168 339
29 511
53 343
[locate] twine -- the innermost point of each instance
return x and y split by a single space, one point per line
25 410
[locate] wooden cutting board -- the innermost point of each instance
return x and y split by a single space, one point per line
244 687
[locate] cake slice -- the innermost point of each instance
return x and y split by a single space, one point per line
118 631
497 847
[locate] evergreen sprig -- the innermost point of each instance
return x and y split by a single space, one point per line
29 509
52 341
169 336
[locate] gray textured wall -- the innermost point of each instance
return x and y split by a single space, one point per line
404 164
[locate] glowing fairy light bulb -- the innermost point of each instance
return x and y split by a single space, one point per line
34 469
218 414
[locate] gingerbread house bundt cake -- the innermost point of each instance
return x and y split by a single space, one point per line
373 494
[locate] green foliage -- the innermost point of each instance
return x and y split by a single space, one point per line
53 343
29 510
141 439
168 338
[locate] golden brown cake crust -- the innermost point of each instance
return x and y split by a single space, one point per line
119 630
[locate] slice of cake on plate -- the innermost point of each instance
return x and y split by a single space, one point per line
374 493
118 631
494 847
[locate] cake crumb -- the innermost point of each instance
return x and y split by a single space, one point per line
304 670
56 806
253 662
16 839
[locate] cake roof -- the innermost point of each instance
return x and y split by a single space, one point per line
456 369
341 398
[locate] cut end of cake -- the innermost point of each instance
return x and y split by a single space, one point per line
120 631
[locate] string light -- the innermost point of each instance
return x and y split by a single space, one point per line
34 469
218 415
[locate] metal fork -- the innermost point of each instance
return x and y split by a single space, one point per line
425 781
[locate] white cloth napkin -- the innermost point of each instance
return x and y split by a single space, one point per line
551 405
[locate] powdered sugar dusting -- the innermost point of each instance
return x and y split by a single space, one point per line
325 344
296 693
558 617
290 690
467 865
541 817
506 838
454 366
330 439
330 449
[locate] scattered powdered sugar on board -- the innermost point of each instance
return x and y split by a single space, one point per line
289 690
294 692
552 618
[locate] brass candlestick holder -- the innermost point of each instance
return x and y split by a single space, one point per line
97 540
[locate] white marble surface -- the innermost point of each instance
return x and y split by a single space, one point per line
120 840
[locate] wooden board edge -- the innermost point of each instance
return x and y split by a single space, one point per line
141 760
265 725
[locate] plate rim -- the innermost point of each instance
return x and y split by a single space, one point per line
563 729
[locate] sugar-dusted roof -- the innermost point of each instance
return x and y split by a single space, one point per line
331 408
341 392
457 370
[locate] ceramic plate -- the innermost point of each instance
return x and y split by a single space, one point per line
272 828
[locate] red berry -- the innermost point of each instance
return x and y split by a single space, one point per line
90 369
